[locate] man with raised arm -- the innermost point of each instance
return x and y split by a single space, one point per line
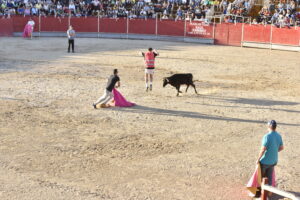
149 58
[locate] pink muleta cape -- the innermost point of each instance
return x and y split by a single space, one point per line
120 101
27 31
255 181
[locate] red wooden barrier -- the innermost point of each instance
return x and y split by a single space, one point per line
113 25
56 24
6 27
285 36
141 26
199 29
89 24
234 34
257 33
221 34
171 28
228 34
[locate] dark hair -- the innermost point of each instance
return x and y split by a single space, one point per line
150 49
115 71
272 124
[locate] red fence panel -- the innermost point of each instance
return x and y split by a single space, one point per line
257 33
171 28
6 27
199 29
57 24
19 23
228 34
113 25
235 34
221 34
85 24
285 36
141 26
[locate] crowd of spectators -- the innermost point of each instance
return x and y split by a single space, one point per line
281 14
166 9
284 14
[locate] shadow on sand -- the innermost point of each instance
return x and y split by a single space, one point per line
258 104
248 101
188 114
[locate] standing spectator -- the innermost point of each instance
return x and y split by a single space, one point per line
27 11
275 17
59 9
179 14
72 8
38 7
71 37
34 10
268 155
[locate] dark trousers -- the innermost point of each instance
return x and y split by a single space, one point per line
267 171
71 43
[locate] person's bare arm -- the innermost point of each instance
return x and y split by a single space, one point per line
261 153
280 148
118 84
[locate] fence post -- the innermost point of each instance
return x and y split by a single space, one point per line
127 26
264 193
271 36
214 29
40 25
242 39
156 21
69 19
299 38
184 35
98 25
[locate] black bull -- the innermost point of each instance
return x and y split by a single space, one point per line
180 79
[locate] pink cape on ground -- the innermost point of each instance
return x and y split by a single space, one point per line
120 100
256 179
27 31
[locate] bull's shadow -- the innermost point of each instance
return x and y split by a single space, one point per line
188 114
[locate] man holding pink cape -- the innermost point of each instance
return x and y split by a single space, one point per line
111 92
267 159
28 30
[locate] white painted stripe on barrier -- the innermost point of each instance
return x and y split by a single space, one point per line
272 46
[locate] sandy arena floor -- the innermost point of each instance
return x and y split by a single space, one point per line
54 145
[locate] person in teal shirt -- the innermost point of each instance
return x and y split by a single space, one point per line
268 155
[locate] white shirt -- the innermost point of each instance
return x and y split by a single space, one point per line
72 7
31 22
